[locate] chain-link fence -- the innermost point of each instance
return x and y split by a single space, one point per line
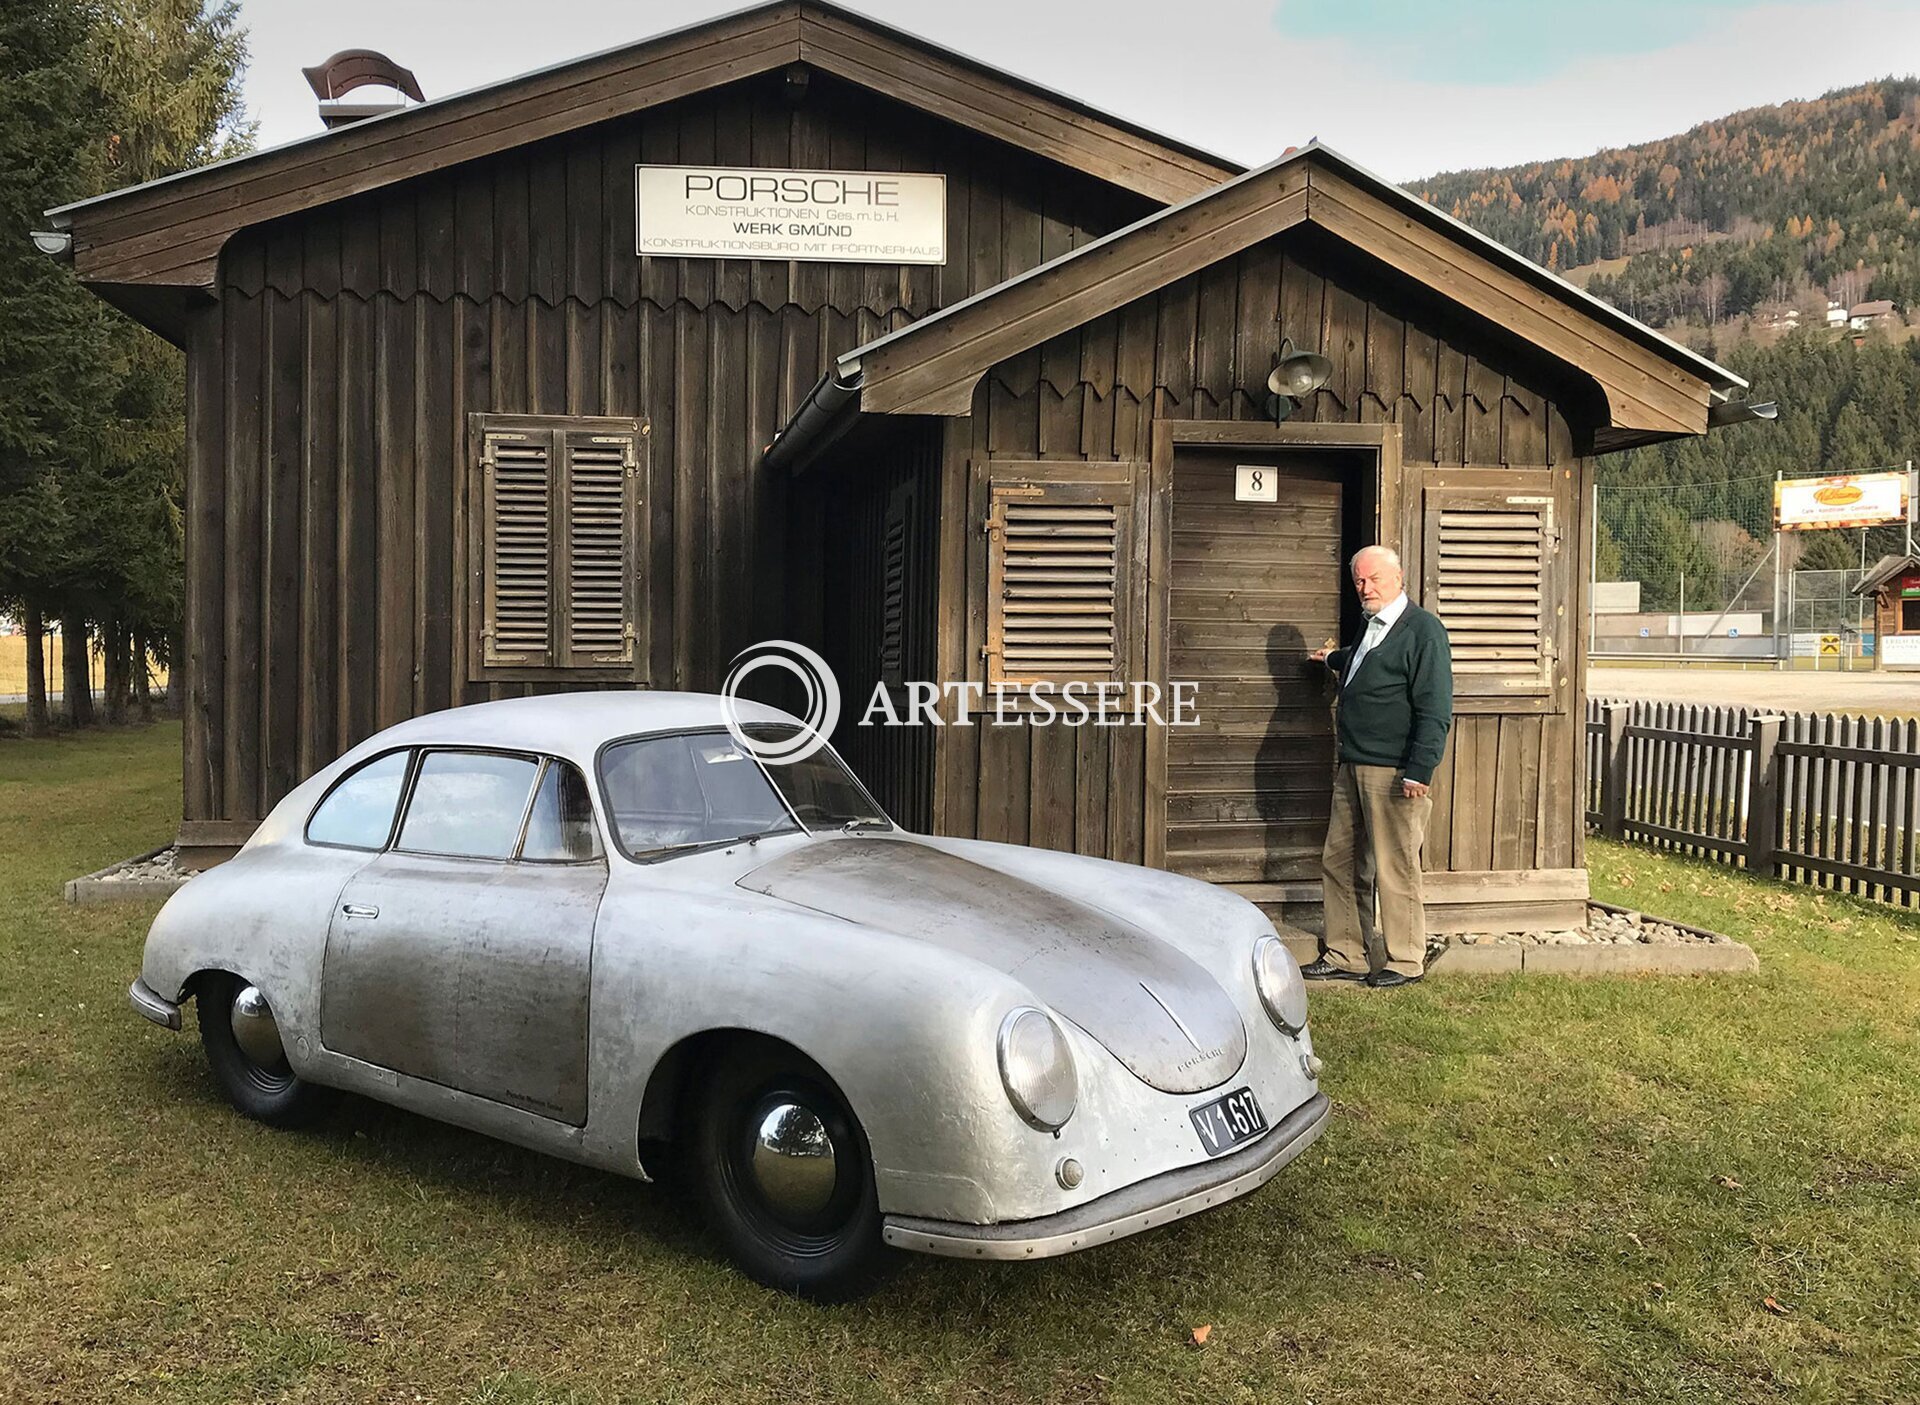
1696 570
1825 620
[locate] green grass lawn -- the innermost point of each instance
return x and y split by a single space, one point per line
1534 1190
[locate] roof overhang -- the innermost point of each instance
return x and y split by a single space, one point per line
169 233
1653 388
1884 570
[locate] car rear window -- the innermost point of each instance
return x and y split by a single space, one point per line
358 812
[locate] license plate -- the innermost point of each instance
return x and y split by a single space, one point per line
1225 1123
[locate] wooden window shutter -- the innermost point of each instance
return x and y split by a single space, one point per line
1492 575
1058 581
517 513
896 543
556 546
600 567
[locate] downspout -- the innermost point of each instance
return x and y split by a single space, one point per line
828 412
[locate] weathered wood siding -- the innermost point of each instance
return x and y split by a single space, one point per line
330 385
1463 395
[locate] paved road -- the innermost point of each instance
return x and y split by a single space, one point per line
1870 693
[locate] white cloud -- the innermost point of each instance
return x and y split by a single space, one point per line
1226 79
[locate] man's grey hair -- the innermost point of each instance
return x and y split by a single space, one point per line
1393 557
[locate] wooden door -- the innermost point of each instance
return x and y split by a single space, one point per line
1253 588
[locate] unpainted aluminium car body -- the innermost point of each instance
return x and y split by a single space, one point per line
889 961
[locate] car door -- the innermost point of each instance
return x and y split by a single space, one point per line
462 954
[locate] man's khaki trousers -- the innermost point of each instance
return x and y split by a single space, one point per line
1373 850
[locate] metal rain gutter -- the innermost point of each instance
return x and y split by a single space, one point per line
827 413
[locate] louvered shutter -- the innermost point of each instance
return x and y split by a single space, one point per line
517 512
599 548
895 543
557 546
1057 581
1490 572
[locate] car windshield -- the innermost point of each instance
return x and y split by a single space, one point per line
820 789
690 790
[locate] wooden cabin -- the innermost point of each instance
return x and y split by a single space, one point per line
1894 587
453 436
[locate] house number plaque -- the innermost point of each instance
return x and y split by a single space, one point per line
1255 485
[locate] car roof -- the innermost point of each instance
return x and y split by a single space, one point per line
573 726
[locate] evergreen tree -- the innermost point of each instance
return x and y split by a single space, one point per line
98 94
54 377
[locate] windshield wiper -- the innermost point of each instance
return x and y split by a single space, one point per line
862 822
681 848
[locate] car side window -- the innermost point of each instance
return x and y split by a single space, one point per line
358 812
560 825
467 804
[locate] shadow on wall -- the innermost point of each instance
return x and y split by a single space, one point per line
1298 730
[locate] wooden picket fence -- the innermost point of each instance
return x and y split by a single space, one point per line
1815 798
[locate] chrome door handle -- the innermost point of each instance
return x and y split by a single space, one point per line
357 910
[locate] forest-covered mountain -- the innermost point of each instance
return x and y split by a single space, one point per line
1709 232
1704 507
1768 208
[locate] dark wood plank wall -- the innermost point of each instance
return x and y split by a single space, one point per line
330 386
1505 795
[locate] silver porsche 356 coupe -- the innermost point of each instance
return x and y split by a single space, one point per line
595 925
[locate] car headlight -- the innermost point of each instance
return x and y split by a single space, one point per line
1276 975
1037 1068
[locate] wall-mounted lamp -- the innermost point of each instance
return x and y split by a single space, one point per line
1299 373
1296 375
1741 412
54 243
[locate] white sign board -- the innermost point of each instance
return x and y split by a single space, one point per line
1848 500
1616 597
1899 648
730 212
1255 485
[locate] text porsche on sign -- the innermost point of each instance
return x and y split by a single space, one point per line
750 213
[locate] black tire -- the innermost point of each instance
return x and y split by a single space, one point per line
830 1255
272 1094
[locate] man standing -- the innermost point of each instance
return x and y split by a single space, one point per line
1396 703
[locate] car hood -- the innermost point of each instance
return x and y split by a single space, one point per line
1154 1008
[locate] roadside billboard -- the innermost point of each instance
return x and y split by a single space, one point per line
1845 500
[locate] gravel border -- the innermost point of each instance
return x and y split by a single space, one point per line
153 874
1669 949
1617 941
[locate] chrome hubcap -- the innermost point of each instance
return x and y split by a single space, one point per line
793 1161
254 1029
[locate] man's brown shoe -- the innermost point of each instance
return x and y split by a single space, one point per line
1321 969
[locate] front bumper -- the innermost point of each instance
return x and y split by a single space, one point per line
1158 1200
155 1007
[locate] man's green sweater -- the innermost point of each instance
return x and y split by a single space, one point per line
1397 708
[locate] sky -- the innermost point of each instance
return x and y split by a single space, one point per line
1407 88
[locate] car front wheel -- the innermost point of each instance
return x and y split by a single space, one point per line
242 1041
783 1169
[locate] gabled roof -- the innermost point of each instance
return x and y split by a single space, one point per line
1884 570
169 233
1654 387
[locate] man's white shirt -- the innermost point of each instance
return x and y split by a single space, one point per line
1377 628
